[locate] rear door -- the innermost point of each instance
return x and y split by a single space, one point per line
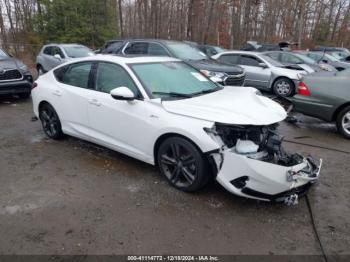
72 91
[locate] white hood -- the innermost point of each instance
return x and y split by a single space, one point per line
232 105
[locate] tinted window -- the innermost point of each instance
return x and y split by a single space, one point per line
230 59
112 47
249 61
110 76
48 50
138 48
77 75
156 50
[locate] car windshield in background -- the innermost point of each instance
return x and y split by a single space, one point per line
78 51
271 61
173 80
219 50
186 52
3 54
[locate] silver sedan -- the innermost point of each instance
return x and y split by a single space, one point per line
264 73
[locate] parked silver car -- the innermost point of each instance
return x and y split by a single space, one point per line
322 57
53 55
264 73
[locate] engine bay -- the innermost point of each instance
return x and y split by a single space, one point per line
256 142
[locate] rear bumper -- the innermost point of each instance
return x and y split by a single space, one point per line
16 87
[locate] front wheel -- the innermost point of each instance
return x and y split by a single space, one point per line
343 122
182 164
283 87
50 122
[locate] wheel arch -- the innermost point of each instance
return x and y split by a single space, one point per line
163 137
339 109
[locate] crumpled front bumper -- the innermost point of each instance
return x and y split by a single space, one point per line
266 181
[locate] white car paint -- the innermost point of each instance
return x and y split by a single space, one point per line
133 127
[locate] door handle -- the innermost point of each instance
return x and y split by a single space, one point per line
57 93
94 102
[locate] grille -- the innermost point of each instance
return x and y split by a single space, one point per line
12 74
234 81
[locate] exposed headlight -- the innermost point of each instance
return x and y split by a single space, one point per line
301 75
213 74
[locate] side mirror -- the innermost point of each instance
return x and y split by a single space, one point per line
57 56
263 65
122 93
325 61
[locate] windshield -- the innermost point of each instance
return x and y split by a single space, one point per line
306 59
173 79
219 49
271 61
3 54
186 52
338 55
78 51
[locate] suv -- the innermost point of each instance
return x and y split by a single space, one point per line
53 55
15 77
217 71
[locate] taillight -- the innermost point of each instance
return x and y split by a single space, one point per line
34 85
303 89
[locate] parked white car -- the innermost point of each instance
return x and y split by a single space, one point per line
264 73
166 113
53 55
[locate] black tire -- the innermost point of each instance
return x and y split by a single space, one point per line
50 122
24 95
182 164
284 87
40 70
343 122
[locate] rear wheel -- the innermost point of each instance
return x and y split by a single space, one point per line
40 70
283 87
50 121
182 164
343 122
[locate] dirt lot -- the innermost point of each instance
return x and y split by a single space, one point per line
72 197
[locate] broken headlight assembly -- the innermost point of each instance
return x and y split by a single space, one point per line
254 164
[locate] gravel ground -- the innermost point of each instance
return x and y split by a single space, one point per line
73 197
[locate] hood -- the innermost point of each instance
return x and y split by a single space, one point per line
8 63
213 65
231 105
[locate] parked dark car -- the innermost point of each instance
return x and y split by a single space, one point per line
322 57
224 74
15 77
326 95
211 50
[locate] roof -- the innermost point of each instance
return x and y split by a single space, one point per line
130 59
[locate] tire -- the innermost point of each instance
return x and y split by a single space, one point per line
24 95
343 122
182 164
283 87
40 70
50 122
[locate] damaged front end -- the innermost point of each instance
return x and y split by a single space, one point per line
251 162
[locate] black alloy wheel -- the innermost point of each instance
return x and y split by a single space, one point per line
50 122
182 164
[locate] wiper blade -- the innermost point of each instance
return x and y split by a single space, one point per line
173 94
207 91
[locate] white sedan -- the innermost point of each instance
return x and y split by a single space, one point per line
166 113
